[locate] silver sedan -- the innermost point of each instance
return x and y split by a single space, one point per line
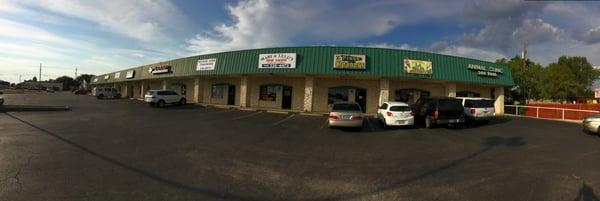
591 123
346 114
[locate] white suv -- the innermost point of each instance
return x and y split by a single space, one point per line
161 97
478 109
105 92
395 114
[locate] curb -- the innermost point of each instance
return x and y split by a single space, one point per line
32 108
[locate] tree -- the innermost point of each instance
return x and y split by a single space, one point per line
560 83
583 72
527 76
34 79
86 77
67 82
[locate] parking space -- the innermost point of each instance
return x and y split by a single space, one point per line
127 150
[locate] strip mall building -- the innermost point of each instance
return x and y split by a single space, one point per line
308 79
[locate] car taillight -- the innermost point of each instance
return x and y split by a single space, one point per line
436 115
389 114
357 117
472 110
333 117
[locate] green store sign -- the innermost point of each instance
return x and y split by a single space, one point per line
485 70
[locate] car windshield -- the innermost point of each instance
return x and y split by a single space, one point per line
449 104
479 103
399 108
346 107
149 92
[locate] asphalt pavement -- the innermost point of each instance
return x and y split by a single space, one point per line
127 150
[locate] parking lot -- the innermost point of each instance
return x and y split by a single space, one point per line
127 150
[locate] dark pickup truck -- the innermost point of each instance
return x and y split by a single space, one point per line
439 110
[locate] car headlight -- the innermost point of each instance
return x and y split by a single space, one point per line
589 119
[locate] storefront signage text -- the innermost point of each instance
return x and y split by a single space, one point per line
106 77
130 74
165 68
349 61
117 75
485 70
279 60
95 79
206 64
418 67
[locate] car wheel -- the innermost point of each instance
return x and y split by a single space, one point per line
428 122
101 96
118 96
161 103
182 101
384 123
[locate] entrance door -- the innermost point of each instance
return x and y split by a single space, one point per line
130 92
361 98
286 101
231 95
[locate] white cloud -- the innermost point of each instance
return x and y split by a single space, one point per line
264 23
403 46
142 20
535 31
18 30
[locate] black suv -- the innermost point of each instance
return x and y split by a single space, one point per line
439 110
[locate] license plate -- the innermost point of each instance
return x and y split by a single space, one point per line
401 122
454 120
345 117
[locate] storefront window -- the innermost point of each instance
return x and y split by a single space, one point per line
217 91
268 93
337 95
410 96
467 94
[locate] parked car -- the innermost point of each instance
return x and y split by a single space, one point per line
105 92
591 123
1 98
81 91
345 114
161 97
439 110
395 114
478 109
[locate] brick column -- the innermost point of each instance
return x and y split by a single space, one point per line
164 84
451 89
308 93
142 92
384 91
196 90
243 91
125 92
499 102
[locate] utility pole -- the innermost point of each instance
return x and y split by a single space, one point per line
40 77
75 73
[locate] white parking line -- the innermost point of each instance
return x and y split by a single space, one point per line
284 119
246 116
324 123
369 123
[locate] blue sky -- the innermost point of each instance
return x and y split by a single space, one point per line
102 36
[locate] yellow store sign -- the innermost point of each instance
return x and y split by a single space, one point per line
349 61
418 67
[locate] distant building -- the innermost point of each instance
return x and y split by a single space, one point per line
41 85
4 84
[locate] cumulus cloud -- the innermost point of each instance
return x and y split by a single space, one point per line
142 20
507 24
264 23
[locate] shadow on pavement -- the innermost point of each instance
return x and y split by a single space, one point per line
145 173
586 194
488 144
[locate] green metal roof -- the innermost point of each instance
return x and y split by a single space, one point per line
380 62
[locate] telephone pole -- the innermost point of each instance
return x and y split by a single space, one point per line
75 73
40 77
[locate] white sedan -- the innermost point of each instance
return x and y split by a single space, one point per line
395 114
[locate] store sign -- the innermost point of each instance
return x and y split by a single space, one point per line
130 74
165 68
206 64
485 70
279 60
418 67
106 77
349 61
95 79
117 75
